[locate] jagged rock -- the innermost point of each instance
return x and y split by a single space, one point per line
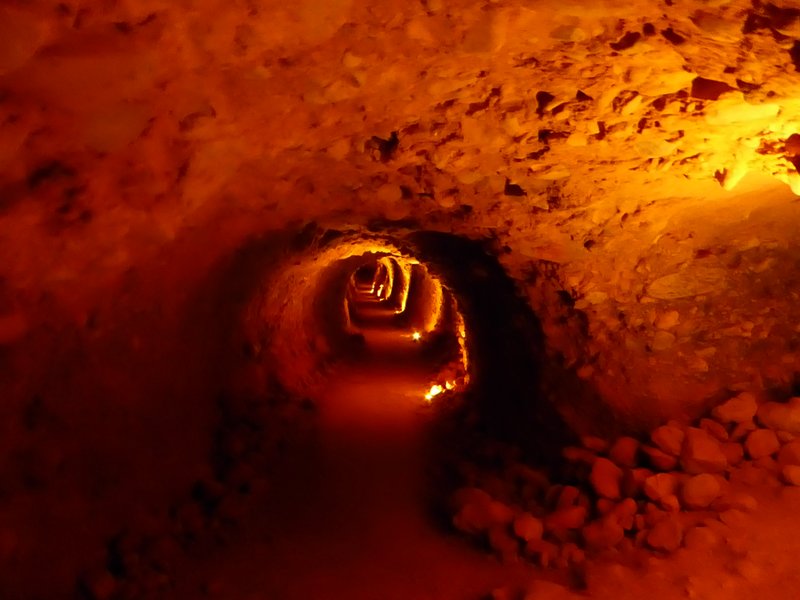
736 410
700 491
715 429
761 443
781 416
661 485
606 478
668 438
659 459
625 451
742 430
702 453
527 527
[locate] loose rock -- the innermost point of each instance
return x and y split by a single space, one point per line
781 416
625 451
736 410
702 453
606 478
527 527
668 438
761 443
659 459
661 485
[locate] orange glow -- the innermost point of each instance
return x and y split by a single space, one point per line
416 336
380 289
433 392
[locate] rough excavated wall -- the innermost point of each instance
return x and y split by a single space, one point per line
588 139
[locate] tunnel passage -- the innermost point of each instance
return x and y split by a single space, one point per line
313 313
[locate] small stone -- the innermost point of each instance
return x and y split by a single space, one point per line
527 527
503 543
668 438
738 409
666 535
761 443
667 320
700 491
791 474
670 503
749 570
733 452
595 444
659 459
606 478
790 453
715 429
660 485
476 511
781 416
702 453
625 451
625 513
566 518
701 538
603 533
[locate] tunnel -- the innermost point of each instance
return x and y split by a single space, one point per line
438 299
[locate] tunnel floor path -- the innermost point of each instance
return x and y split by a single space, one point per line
349 515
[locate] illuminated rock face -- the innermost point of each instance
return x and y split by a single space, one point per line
142 143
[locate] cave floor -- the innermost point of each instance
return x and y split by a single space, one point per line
351 517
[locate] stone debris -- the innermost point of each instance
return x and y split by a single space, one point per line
618 503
